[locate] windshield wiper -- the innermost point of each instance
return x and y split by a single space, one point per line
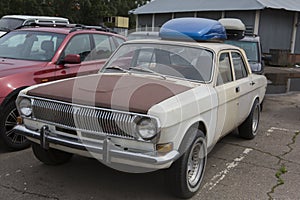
116 68
147 70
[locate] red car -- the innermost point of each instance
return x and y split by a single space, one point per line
31 56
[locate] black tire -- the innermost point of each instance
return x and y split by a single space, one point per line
262 106
248 129
50 156
8 120
184 177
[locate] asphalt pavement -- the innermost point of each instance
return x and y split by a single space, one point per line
267 167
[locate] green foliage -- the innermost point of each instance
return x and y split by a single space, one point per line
89 12
278 174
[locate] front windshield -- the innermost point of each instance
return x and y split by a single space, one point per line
10 23
169 60
30 45
250 48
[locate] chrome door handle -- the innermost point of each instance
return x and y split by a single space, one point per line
252 83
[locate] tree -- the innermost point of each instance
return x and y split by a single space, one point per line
90 12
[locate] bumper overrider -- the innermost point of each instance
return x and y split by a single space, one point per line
104 150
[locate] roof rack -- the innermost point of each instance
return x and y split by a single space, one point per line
97 28
43 24
75 27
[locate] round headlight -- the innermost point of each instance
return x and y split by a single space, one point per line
25 107
146 128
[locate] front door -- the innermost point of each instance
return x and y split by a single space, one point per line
94 49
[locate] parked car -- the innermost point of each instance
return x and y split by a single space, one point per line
249 43
11 22
143 35
157 104
36 55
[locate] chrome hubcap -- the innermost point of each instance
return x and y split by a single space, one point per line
195 164
10 123
255 120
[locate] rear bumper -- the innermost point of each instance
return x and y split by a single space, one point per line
105 150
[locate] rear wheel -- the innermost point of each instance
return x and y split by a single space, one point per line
248 129
185 175
8 120
50 156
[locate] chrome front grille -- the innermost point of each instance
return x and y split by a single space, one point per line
83 118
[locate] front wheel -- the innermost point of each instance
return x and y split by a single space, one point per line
185 175
248 129
8 120
50 156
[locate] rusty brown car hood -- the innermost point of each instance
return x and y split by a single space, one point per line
116 91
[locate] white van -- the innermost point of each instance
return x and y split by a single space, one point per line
11 22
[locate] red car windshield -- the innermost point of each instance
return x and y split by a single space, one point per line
30 45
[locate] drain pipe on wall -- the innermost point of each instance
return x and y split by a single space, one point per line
293 42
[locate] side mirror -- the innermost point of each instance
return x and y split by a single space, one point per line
71 59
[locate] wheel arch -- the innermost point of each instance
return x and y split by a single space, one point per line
190 135
256 98
12 96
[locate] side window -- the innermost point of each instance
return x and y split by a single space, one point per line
79 44
225 73
239 66
145 56
103 47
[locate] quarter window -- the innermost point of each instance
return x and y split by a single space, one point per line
239 66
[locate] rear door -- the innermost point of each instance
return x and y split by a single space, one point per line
244 84
226 89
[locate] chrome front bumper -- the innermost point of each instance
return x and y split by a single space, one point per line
105 150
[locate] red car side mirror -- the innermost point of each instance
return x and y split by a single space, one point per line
72 59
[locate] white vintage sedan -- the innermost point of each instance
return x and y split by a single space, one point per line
156 104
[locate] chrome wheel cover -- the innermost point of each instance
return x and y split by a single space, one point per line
255 119
10 123
196 164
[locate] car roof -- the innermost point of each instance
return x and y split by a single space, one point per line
64 30
46 29
25 17
216 46
145 33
